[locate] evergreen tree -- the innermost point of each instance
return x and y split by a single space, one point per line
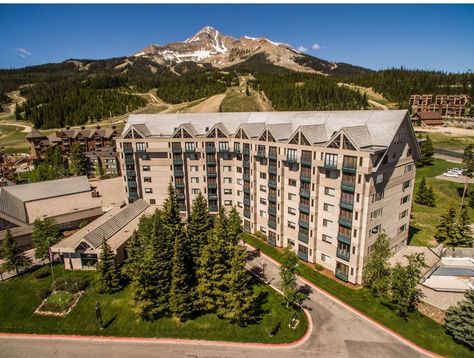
288 271
78 161
12 254
45 234
421 192
404 293
240 299
468 161
135 247
213 265
377 268
464 233
430 197
427 152
459 321
234 226
198 228
108 277
181 297
447 228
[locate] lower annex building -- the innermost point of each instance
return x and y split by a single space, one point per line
325 182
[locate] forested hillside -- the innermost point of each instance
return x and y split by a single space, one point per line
398 84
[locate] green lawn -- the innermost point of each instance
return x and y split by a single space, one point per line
449 142
13 140
18 301
425 219
236 101
418 328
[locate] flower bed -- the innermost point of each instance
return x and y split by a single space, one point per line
59 303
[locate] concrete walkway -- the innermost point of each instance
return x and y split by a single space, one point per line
339 331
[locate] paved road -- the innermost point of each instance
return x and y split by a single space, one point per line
338 332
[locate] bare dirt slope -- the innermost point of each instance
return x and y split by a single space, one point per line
212 104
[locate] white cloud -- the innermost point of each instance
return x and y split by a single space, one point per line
316 47
302 49
23 52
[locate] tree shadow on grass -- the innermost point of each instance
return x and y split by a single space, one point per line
411 233
109 322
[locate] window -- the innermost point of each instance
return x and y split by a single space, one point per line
263 213
375 230
406 184
408 152
302 249
291 196
380 178
194 180
402 228
193 168
228 202
147 179
329 191
377 196
291 182
239 169
263 188
331 174
148 190
228 191
239 192
325 258
291 154
146 168
227 168
239 204
327 238
328 207
263 230
376 213
405 199
408 168
141 147
239 181
195 191
330 160
292 211
327 223
263 201
189 146
263 175
227 180
152 201
223 146
403 214
291 225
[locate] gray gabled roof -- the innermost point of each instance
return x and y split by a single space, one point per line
315 133
359 135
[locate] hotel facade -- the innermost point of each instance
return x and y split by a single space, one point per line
326 183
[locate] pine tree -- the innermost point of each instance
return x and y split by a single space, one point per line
108 277
288 271
427 152
234 226
240 299
12 254
468 161
464 233
45 234
421 192
447 228
459 321
78 161
198 228
213 265
377 268
430 197
181 297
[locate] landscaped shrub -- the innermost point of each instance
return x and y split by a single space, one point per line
43 293
58 302
69 284
261 235
318 267
41 273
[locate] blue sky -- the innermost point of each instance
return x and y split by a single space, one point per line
437 37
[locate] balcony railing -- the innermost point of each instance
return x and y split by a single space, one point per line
247 214
272 184
303 223
272 169
272 156
246 151
306 161
272 224
182 207
180 196
291 159
131 173
304 208
341 275
210 149
272 198
345 221
347 204
303 237
343 254
129 161
305 176
272 211
348 168
330 165
236 150
177 161
272 241
212 185
305 193
212 196
178 173
132 184
212 174
211 162
345 238
348 186
246 177
176 149
303 255
128 149
246 201
261 153
246 190
179 185
213 208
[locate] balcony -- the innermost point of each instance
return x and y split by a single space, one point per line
210 150
212 196
304 208
272 184
246 177
129 161
179 185
348 186
303 255
291 159
246 201
246 151
211 162
178 161
212 174
246 164
182 207
303 223
247 214
272 224
128 149
344 238
261 154
131 173
236 150
349 169
330 165
303 237
272 241
347 204
306 161
343 254
305 193
342 276
180 196
213 208
132 197
132 184
272 211
272 198
272 155
176 150
212 185
178 173
272 169
306 177
246 190
345 221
